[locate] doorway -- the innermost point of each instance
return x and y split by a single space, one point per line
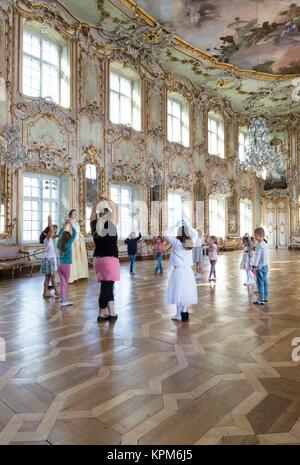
276 220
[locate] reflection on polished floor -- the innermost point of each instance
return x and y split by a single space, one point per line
226 377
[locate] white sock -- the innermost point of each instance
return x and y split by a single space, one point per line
179 310
183 308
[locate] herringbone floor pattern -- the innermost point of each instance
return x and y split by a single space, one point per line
226 377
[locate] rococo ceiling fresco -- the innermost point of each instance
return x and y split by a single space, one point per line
260 35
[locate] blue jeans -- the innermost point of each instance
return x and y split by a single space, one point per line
159 266
131 257
262 282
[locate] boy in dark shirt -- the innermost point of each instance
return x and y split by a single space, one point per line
131 242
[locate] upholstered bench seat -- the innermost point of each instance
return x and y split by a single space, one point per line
12 257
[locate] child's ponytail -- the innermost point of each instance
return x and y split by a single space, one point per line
44 235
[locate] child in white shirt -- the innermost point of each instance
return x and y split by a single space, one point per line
49 263
261 266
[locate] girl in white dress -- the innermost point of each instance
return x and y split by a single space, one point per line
247 259
182 288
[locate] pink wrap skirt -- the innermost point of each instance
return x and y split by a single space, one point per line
107 268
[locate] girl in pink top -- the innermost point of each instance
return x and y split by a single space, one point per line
213 256
158 249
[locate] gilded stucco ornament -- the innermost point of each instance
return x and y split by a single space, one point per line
153 174
48 157
179 162
89 154
41 107
219 186
137 41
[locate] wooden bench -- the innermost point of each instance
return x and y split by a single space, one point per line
12 257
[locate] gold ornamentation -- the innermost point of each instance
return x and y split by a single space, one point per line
6 177
151 36
222 83
94 157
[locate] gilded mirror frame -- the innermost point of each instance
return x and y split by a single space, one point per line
89 160
200 182
8 202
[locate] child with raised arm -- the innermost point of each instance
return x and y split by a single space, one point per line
131 243
49 263
182 288
104 220
64 246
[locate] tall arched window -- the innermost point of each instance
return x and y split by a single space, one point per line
217 216
243 143
215 134
178 119
45 64
125 96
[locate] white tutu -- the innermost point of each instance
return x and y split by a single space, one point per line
182 288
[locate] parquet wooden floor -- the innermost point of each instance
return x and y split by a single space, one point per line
226 377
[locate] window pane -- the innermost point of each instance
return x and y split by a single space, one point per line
50 82
31 77
176 109
114 82
31 45
125 87
114 107
125 116
50 53
212 125
35 209
176 130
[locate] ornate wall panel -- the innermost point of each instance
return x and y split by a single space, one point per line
91 132
91 84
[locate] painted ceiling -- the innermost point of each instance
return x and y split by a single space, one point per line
262 35
247 91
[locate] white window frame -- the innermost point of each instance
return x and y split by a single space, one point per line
123 230
134 99
218 135
245 217
40 200
243 141
179 206
217 216
63 75
183 137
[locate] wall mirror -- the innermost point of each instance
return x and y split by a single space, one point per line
199 205
91 184
154 210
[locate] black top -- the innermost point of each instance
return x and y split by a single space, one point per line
132 244
106 245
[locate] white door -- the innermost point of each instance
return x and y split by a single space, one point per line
276 220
